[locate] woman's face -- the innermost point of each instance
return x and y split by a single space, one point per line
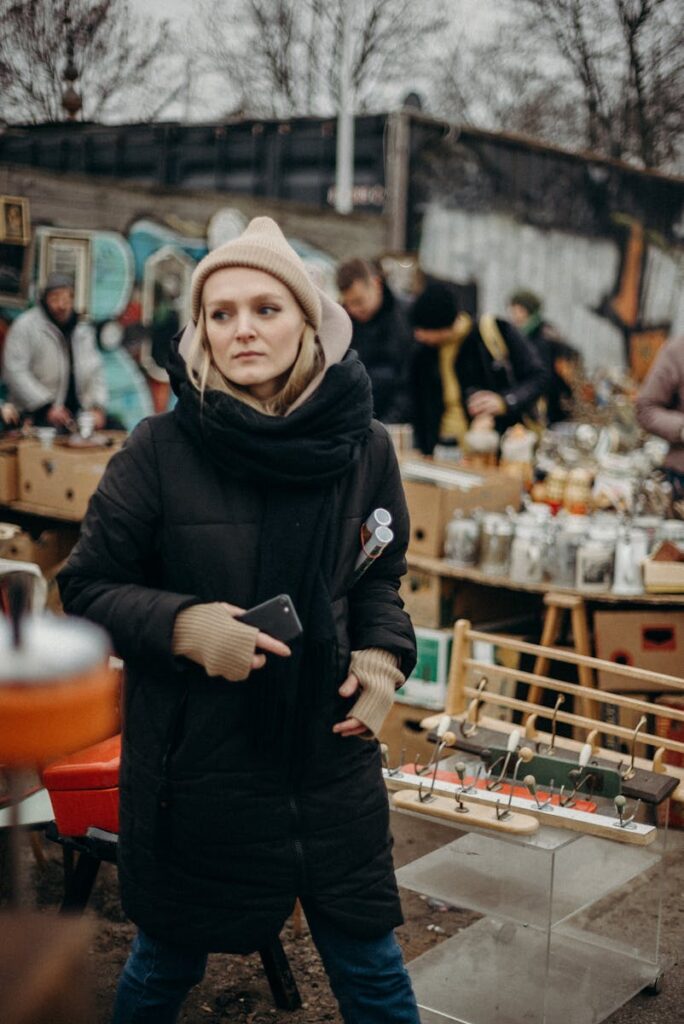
254 326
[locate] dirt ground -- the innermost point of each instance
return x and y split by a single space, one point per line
235 988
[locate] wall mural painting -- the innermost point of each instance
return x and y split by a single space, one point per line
624 306
617 299
167 277
134 287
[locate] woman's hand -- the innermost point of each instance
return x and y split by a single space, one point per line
350 726
263 641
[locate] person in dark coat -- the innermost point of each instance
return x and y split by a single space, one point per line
250 771
464 370
382 337
562 361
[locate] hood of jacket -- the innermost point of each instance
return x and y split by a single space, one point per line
334 336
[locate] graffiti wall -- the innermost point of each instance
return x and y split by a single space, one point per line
615 298
134 286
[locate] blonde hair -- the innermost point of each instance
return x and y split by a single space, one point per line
203 372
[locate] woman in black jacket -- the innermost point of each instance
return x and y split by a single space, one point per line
247 775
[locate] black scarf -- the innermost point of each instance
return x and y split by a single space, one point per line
297 462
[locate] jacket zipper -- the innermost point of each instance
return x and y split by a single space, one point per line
296 840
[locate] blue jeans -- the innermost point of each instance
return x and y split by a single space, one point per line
367 976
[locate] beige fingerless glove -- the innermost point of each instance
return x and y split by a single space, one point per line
209 635
379 675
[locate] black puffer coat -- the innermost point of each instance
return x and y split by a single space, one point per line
385 346
215 844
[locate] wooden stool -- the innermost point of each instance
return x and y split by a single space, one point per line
556 605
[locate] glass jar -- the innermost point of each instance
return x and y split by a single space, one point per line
630 553
495 543
462 542
528 551
650 525
596 559
570 534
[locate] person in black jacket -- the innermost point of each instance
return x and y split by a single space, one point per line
382 337
464 370
250 774
562 361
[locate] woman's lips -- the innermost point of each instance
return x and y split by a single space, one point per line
248 355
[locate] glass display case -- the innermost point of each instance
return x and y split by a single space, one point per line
570 932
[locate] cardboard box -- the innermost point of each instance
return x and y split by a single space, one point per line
15 543
428 599
53 547
652 640
61 479
427 684
663 577
9 472
49 552
435 490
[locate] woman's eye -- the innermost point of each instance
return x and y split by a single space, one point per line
220 314
266 310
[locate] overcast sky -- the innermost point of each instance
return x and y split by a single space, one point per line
475 20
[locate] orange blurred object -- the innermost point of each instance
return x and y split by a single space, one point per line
42 721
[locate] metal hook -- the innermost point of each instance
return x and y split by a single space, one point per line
423 797
502 813
460 769
470 723
620 804
511 748
578 781
384 752
447 740
531 784
630 772
578 776
525 756
554 725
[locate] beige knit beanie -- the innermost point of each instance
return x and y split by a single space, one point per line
263 246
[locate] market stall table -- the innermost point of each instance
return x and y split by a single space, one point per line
580 604
441 567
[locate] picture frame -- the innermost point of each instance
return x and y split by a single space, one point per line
67 252
15 220
167 279
166 288
13 275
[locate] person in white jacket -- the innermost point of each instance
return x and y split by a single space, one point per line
51 363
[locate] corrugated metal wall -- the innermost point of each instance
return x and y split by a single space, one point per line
573 274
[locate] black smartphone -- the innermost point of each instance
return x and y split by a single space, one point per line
277 617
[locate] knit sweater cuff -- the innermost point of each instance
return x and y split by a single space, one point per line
209 635
379 675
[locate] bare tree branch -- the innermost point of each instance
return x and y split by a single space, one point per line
608 76
117 56
293 49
